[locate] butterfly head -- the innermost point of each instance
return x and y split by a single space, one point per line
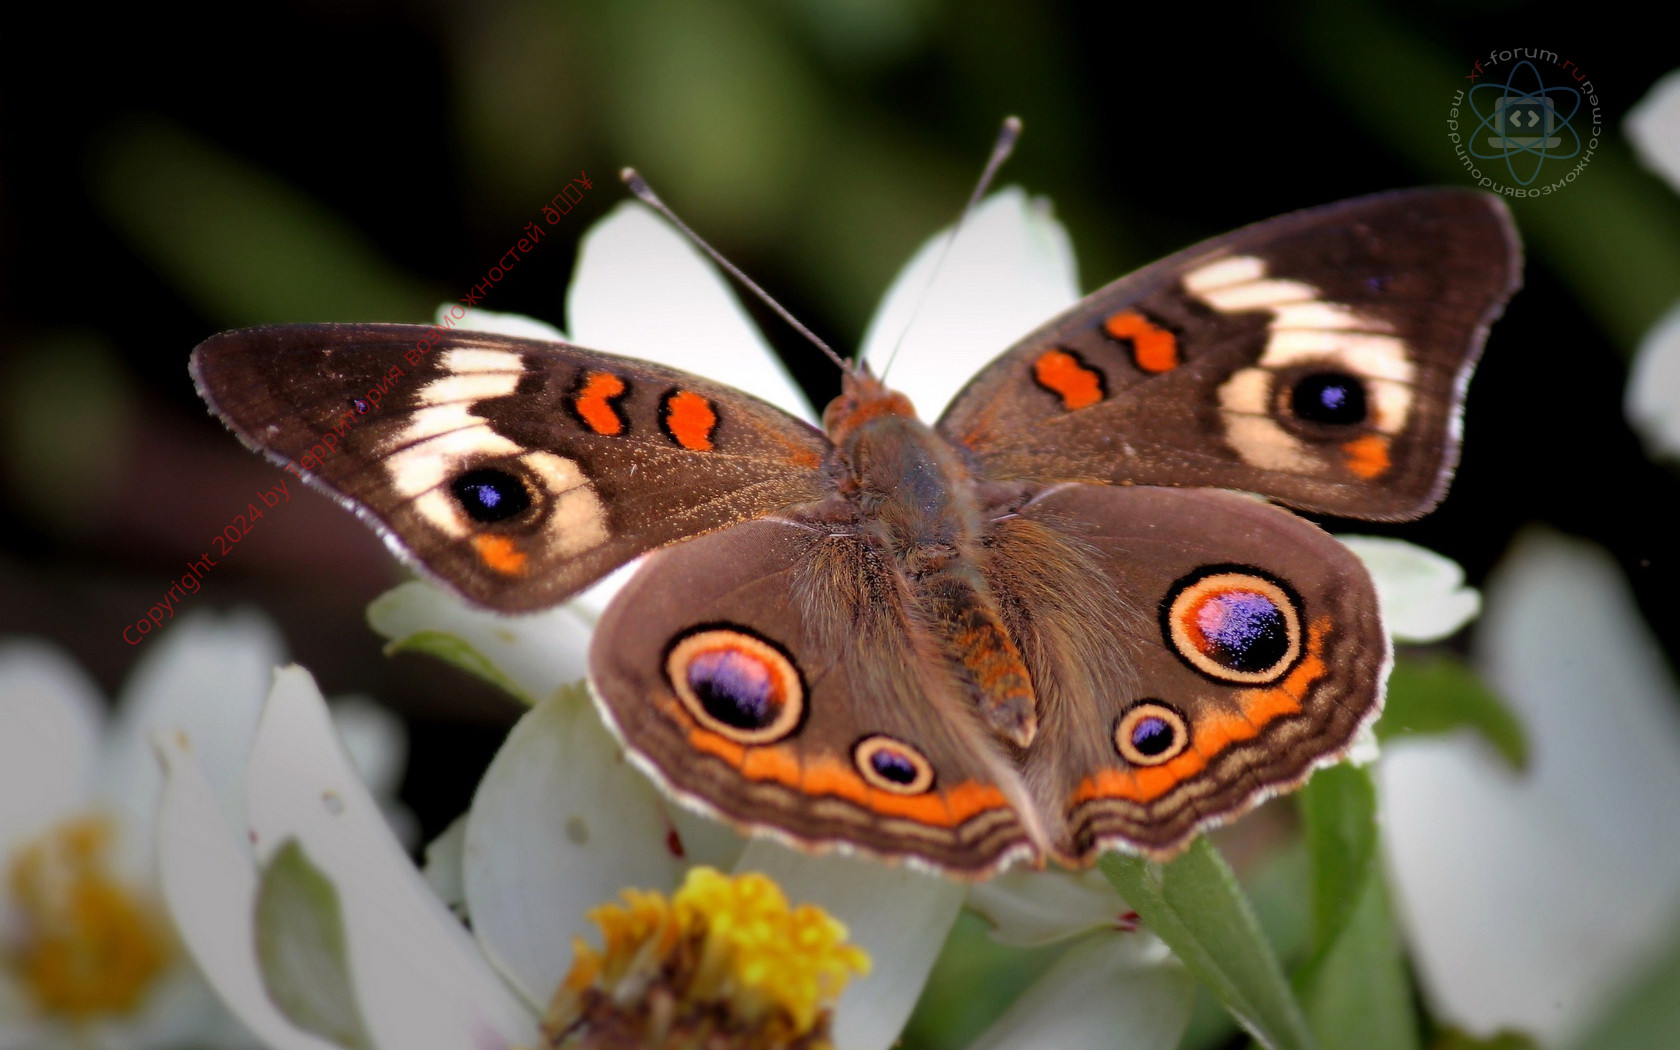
862 398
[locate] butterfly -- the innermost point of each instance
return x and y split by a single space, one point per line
1071 615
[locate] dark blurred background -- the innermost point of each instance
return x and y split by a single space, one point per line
164 176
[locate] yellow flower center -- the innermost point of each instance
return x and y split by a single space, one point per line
87 944
724 962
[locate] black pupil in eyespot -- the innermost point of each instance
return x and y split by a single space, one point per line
360 406
1243 630
893 766
1152 735
490 495
734 688
1329 397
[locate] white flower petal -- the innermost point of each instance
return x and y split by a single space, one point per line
1528 898
210 888
50 716
477 319
376 741
899 916
1028 908
1111 991
445 867
641 289
592 601
560 824
1654 127
1653 390
419 980
1011 270
1422 594
706 841
208 676
534 654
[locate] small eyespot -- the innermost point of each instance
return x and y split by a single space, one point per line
737 685
893 765
360 405
1233 624
1331 398
1151 733
489 495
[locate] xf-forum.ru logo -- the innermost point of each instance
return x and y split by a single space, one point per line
1524 109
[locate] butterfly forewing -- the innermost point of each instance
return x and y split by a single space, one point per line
516 470
1319 358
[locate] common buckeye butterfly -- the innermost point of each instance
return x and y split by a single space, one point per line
1054 622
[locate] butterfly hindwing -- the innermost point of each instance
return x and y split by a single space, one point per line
770 673
516 470
1243 649
1319 358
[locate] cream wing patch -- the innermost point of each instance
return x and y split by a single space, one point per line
445 436
1305 329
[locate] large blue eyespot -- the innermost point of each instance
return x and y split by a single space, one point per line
1233 624
736 684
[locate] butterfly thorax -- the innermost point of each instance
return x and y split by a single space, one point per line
916 509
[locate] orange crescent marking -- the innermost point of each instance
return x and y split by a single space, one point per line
1078 385
499 554
690 419
1214 734
594 403
943 809
1368 456
1153 348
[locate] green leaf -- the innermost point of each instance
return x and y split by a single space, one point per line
451 649
1339 810
1453 1039
1359 994
1194 904
300 948
1435 693
1647 1015
244 247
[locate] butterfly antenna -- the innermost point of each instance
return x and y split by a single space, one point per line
1001 149
640 188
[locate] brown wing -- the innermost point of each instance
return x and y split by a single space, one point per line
1193 653
769 674
1319 358
518 471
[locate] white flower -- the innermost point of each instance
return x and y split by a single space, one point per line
527 877
85 957
1530 896
1653 393
642 290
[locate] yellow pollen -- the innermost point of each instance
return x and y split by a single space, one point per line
722 948
88 945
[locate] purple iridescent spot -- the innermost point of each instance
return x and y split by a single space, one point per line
1152 735
893 765
1244 630
735 688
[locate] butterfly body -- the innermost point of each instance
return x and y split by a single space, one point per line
1040 627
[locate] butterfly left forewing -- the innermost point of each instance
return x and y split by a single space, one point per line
1319 358
515 470
1233 647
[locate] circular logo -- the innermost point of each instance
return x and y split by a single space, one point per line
1527 125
